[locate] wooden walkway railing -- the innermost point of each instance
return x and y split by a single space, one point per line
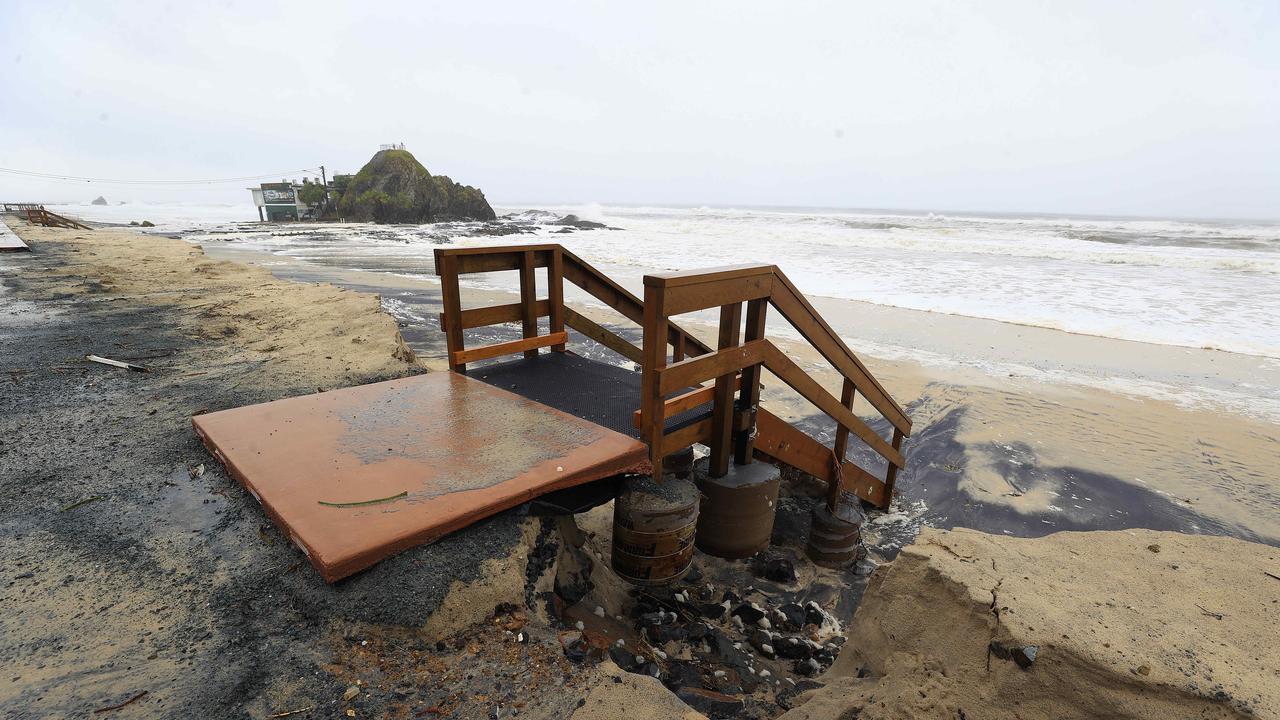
561 265
37 215
739 427
673 361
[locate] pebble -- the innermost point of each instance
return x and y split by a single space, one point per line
580 626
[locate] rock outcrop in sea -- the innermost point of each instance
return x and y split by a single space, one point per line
393 187
99 201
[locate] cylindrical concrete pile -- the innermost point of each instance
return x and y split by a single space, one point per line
835 539
653 530
736 515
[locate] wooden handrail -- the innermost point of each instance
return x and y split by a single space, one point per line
764 352
727 288
561 265
529 344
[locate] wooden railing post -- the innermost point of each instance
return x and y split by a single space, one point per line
744 442
722 409
555 294
451 299
847 395
891 477
653 359
528 300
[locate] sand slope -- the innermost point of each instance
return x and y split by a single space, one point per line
290 328
1129 624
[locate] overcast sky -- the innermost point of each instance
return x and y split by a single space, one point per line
1146 108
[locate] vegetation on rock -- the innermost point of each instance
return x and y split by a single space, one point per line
394 187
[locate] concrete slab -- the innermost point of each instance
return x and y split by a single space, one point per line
434 453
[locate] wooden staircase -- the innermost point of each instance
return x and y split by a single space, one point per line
680 373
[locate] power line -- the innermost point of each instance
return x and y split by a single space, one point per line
111 181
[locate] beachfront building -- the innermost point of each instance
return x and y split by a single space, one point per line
281 201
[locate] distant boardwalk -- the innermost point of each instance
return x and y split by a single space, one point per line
9 242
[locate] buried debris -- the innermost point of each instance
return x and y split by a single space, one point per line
115 363
117 706
287 713
86 501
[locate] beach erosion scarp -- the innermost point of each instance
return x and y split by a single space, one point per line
1122 624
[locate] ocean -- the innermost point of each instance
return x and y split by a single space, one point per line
1197 284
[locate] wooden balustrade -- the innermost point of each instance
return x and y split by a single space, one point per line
561 265
739 427
675 364
37 215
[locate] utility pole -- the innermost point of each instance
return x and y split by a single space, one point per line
324 183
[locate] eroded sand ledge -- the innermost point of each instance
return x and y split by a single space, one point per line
1126 624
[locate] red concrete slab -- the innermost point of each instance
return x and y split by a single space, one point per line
459 449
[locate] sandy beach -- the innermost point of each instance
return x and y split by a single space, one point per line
139 565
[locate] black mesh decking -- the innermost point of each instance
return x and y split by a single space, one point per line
604 394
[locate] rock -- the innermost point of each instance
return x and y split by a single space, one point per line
808 667
710 611
749 612
793 648
787 697
825 656
573 221
813 614
773 566
761 639
623 658
146 223
711 703
697 631
575 646
394 187
350 694
99 201
682 674
651 619
795 615
1023 655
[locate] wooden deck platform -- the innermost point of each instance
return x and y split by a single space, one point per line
356 475
9 241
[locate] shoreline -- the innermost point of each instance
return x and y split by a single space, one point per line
989 350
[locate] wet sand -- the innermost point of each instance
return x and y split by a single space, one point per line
1018 430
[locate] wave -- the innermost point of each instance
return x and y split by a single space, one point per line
1173 282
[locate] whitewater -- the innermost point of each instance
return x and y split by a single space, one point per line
1199 284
